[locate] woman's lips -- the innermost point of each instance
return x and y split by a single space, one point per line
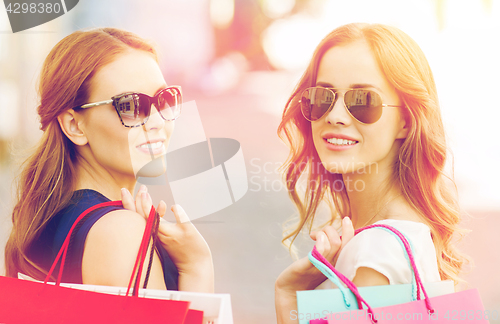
339 144
153 147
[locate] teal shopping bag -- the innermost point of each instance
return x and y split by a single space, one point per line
313 304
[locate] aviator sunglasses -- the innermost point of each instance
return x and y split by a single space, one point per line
363 105
134 108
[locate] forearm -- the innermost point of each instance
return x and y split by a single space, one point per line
198 279
301 275
286 306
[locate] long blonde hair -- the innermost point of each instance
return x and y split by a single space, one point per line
46 181
419 169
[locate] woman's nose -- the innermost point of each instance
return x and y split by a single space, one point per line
155 120
338 114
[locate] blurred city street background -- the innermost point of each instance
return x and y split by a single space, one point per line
240 60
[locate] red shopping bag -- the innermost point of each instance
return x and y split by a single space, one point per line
23 301
194 317
464 306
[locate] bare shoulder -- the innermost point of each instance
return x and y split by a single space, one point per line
111 249
118 223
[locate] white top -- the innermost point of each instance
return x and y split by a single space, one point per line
379 250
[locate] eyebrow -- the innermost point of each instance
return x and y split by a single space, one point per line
352 86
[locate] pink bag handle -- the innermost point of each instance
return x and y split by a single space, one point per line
61 255
353 287
407 246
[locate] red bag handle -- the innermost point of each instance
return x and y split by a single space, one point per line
141 256
143 249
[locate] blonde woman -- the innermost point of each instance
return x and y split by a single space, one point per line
365 119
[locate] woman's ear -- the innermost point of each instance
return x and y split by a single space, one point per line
70 123
404 126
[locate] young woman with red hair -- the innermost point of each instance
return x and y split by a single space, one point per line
365 120
105 112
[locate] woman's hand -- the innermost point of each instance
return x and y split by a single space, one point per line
185 245
302 275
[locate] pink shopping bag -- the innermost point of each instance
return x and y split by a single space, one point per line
459 307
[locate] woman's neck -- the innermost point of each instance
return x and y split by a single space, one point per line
103 181
374 196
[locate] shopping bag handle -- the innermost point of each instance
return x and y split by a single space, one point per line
150 232
415 289
352 287
407 249
61 255
346 294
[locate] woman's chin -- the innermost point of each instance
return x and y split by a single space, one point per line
338 167
153 168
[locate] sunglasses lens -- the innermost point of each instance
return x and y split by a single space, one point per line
133 108
169 103
315 102
364 105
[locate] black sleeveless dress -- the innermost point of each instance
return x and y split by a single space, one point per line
45 249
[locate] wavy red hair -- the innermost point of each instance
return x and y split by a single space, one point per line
419 169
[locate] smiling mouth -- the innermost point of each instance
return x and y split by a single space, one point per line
340 141
151 146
